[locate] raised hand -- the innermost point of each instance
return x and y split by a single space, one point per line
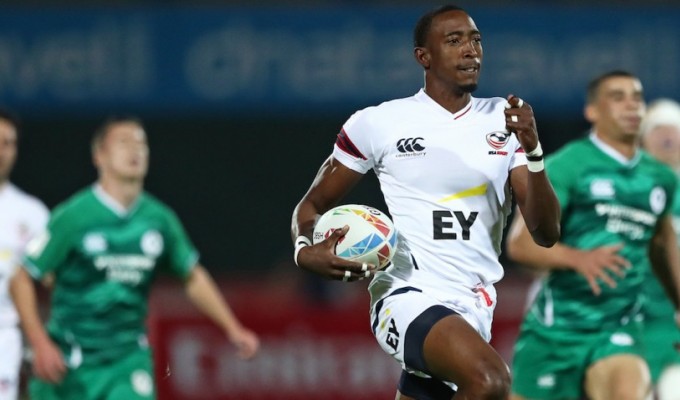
519 119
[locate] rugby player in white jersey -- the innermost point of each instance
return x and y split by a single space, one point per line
448 168
21 217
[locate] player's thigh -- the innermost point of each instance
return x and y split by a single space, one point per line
432 340
549 363
38 389
10 349
133 378
619 376
617 369
454 351
660 338
391 321
129 378
71 387
407 322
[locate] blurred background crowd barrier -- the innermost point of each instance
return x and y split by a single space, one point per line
242 102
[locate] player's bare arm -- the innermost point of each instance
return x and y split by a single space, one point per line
665 258
594 265
332 183
533 191
204 294
48 363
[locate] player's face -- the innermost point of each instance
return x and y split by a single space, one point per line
663 142
618 108
8 149
454 51
124 152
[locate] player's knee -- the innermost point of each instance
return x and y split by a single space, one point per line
668 387
491 381
628 394
639 391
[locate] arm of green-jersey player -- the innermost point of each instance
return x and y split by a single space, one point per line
592 264
204 294
48 362
665 258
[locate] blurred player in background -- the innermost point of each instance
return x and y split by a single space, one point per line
449 192
104 246
661 138
582 332
22 217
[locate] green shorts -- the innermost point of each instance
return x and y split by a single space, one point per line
130 378
551 363
659 339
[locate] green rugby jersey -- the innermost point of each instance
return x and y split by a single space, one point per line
657 303
104 262
604 202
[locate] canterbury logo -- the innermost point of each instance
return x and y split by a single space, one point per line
410 145
497 139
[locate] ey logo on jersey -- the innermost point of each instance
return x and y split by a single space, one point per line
497 140
410 147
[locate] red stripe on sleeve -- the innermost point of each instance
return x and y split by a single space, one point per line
345 144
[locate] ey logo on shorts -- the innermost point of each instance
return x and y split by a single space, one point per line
392 338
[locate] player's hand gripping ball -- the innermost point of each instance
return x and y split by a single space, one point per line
371 237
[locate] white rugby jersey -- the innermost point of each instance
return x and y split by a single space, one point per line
445 178
21 218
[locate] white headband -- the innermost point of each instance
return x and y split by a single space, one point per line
661 112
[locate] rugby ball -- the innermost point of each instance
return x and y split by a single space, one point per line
371 237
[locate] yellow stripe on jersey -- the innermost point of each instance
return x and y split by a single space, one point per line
475 191
5 255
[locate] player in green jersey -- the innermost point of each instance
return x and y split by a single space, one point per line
581 335
661 138
104 246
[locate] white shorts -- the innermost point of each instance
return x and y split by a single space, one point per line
396 310
10 362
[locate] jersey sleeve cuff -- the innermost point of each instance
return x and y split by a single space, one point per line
35 272
192 261
350 162
519 159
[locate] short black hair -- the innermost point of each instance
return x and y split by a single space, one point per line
103 129
10 117
595 83
424 24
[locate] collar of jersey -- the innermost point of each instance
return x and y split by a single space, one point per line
611 152
423 97
7 189
112 204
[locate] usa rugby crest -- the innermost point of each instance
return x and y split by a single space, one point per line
497 139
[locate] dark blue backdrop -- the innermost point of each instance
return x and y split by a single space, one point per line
230 60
